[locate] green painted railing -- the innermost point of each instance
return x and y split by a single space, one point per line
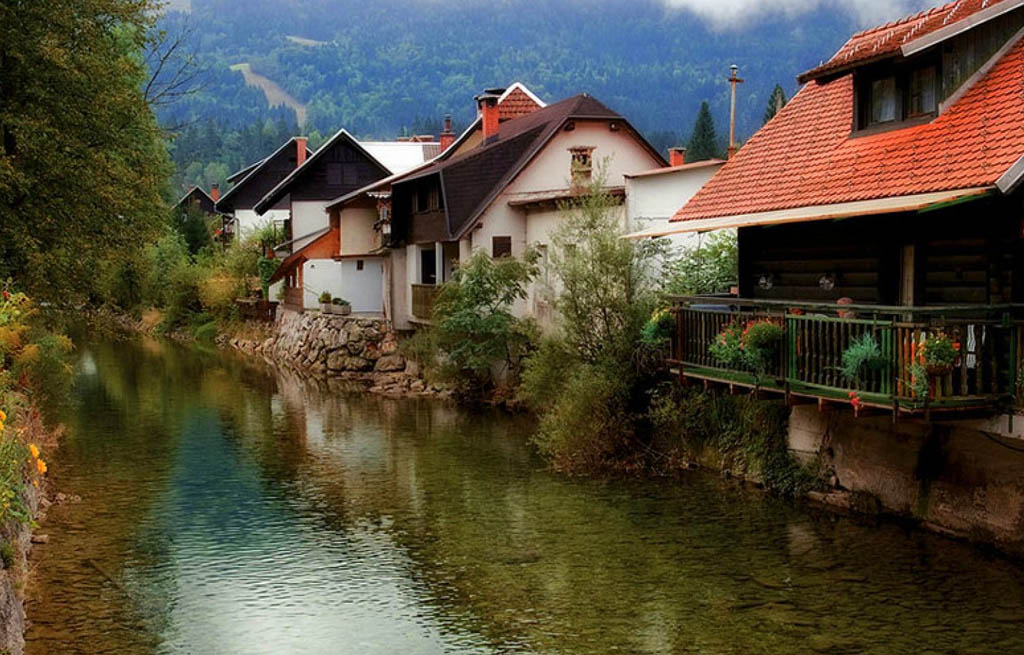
986 374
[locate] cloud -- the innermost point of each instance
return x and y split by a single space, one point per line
723 14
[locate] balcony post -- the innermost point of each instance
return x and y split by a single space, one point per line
438 263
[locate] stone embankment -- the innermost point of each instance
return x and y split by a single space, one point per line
359 348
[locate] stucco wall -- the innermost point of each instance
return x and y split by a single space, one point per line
308 217
357 234
247 221
652 200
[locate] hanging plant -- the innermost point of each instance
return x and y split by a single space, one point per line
862 357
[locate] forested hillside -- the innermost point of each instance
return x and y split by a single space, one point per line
378 67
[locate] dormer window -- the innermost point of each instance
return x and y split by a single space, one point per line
891 97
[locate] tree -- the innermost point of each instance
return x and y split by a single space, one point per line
473 320
82 161
710 266
193 225
703 141
776 101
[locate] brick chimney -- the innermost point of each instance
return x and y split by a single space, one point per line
300 151
447 137
215 192
676 156
487 105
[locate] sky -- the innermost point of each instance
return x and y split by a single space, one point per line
723 14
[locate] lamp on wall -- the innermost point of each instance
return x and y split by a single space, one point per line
766 281
827 281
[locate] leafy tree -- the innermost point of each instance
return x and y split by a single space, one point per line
703 141
193 226
776 101
82 161
473 320
710 266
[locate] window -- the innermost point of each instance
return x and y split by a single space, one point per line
501 247
923 91
888 97
883 100
428 199
581 163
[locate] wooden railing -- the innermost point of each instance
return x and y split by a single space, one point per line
986 373
423 296
257 310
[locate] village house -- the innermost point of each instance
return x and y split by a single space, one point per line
880 225
313 263
504 194
361 222
890 182
251 183
200 200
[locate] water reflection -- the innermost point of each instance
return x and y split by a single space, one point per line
231 510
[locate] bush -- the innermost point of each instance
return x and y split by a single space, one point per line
325 297
861 357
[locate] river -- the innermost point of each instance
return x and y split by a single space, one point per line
230 509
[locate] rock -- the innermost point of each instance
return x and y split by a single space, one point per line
417 385
390 363
40 538
336 360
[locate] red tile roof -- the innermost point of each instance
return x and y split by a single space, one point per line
889 38
805 156
516 104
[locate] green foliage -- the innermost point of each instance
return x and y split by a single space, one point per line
736 432
939 350
266 267
861 357
325 297
703 140
659 328
473 320
920 381
341 302
7 554
588 382
776 101
193 225
711 266
753 346
82 160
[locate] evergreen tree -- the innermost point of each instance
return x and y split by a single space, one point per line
703 142
776 101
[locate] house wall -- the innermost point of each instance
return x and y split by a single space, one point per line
319 275
397 284
357 234
248 221
652 200
363 288
308 216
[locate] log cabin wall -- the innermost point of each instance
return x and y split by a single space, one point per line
962 254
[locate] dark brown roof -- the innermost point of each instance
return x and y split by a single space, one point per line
472 180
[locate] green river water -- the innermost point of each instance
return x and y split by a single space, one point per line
229 509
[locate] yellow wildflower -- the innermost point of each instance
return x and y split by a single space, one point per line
32 448
41 466
3 416
35 483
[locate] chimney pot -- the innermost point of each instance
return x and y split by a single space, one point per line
300 151
676 156
487 104
215 192
447 137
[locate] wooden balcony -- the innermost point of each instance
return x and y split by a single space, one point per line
808 360
293 298
423 296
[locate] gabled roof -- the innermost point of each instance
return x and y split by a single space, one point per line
806 156
401 156
242 172
191 191
904 36
472 180
275 194
254 170
697 165
514 102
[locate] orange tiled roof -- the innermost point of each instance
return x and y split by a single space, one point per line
805 156
516 104
889 38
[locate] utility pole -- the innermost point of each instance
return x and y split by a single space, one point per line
734 79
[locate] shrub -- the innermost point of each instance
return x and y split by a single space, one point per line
753 346
708 267
659 328
340 301
862 356
325 298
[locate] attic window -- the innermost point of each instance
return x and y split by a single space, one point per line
428 199
889 96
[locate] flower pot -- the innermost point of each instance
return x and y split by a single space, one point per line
938 370
325 308
343 310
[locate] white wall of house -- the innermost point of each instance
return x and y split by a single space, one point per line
357 234
397 284
651 200
364 288
308 217
248 221
319 275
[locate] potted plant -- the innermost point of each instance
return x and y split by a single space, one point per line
753 346
863 356
938 353
341 306
325 302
